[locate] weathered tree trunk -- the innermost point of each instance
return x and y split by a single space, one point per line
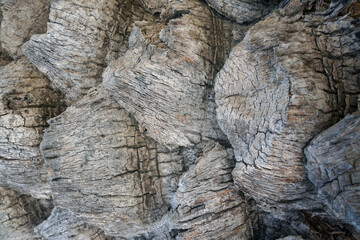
179 119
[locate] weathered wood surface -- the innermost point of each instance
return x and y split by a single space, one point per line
82 36
185 119
166 78
19 214
294 75
20 20
27 101
333 164
64 224
244 11
207 204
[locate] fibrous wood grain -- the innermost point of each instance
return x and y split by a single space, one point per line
27 101
208 205
166 78
82 36
20 20
333 164
244 11
97 143
294 75
19 214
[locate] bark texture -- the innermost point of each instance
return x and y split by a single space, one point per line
179 119
208 205
166 78
19 214
64 224
82 36
333 163
138 176
96 143
293 75
27 102
243 11
21 20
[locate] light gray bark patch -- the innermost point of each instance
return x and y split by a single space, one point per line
292 76
64 224
20 20
207 205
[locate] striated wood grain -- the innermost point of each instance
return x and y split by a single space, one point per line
292 76
166 78
208 205
19 214
103 170
27 101
186 119
82 36
64 224
244 11
333 164
20 20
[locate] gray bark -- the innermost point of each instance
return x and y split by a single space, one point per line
185 119
19 214
166 79
333 164
20 20
64 224
94 143
208 205
244 11
82 36
292 76
27 101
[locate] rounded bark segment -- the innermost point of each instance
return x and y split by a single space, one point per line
27 101
19 214
333 164
104 171
293 76
207 204
21 20
244 11
166 79
82 36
